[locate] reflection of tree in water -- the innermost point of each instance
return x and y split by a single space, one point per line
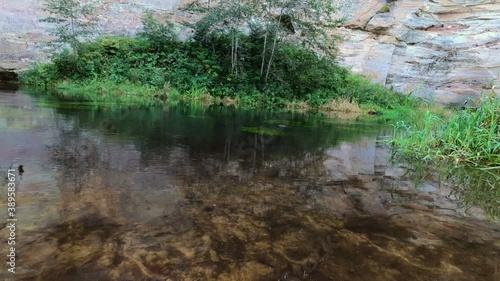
80 151
75 154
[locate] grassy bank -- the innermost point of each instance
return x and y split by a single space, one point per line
462 150
156 66
108 91
469 136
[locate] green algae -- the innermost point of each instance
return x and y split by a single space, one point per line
263 131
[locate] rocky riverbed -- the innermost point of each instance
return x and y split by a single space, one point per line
341 214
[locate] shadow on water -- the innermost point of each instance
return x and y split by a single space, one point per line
181 193
8 80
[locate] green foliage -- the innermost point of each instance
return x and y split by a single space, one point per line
106 91
299 74
71 20
462 150
384 9
364 92
469 136
39 75
271 24
258 67
159 35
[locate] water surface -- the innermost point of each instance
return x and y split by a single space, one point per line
187 193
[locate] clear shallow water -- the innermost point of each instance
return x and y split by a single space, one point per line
184 193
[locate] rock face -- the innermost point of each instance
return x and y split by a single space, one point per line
446 50
22 35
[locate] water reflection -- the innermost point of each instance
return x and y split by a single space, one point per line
472 186
181 193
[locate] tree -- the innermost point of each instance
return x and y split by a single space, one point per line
73 20
276 21
225 18
159 34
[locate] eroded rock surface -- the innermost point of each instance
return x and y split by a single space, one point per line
22 36
441 50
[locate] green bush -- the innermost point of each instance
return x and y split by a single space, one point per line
156 60
40 75
158 35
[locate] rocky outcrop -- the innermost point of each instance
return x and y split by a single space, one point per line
442 50
23 37
445 50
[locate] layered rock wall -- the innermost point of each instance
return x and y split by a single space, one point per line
445 50
22 34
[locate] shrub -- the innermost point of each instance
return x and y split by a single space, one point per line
384 9
159 35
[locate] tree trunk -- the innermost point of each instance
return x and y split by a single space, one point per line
236 55
232 52
263 55
271 58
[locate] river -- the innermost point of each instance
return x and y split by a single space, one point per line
178 192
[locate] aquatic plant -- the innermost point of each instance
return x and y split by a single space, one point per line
261 130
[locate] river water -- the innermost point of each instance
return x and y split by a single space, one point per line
166 192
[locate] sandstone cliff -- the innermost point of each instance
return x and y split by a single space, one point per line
445 50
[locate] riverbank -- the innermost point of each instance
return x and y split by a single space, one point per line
375 100
251 72
266 66
107 91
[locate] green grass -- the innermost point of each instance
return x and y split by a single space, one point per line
470 136
462 150
106 91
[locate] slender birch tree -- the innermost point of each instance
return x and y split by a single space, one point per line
71 20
